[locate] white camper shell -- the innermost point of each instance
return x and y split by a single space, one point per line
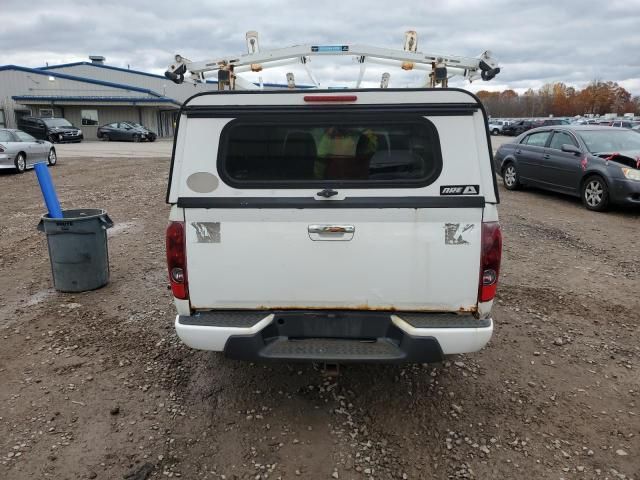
333 225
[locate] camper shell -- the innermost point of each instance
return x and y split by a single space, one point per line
333 225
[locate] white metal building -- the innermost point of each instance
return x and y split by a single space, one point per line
91 94
86 101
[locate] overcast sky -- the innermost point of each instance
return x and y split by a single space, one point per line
573 41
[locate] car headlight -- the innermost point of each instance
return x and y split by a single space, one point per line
631 173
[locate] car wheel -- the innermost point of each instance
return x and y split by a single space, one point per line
21 163
151 138
105 137
495 131
510 177
52 138
52 159
595 194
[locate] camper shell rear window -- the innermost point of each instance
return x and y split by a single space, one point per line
318 150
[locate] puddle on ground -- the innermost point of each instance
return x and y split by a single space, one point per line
39 297
122 227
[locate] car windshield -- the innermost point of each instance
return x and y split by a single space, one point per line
56 122
608 141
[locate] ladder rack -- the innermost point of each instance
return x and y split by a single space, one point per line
440 68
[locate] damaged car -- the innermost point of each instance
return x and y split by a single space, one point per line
601 165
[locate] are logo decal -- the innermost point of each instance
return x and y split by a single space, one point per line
459 189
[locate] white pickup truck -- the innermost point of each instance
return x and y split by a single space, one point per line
334 225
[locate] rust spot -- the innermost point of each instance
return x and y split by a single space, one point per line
471 309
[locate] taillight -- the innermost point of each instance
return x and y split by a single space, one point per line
491 252
1 148
330 98
177 260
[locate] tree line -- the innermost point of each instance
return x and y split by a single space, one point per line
559 100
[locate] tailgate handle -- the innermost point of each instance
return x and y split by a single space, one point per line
327 193
339 229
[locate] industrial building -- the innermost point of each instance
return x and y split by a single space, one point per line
91 94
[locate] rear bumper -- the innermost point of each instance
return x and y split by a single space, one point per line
335 336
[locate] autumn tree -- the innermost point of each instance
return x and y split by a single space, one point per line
560 100
559 103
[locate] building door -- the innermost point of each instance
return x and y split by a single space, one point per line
167 122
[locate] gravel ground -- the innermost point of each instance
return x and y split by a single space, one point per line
96 385
160 148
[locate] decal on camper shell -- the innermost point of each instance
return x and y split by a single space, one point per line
207 232
459 189
454 233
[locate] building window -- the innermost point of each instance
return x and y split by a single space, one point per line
2 120
89 117
46 112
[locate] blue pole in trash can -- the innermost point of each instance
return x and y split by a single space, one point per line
48 190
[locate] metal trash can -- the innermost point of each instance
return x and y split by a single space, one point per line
78 249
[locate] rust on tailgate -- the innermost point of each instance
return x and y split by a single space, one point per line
361 307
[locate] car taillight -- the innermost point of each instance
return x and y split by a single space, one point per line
1 148
177 260
491 252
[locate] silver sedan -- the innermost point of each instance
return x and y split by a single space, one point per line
19 150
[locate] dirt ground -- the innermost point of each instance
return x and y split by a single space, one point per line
96 385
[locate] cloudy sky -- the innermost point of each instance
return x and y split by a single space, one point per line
573 41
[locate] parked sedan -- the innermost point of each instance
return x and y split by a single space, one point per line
601 165
19 150
551 121
127 131
622 123
516 128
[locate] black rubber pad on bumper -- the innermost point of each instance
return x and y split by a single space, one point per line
334 337
443 320
382 349
220 318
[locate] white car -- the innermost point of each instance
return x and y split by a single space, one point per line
350 226
20 151
496 126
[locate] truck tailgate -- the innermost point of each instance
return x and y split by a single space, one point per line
418 259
